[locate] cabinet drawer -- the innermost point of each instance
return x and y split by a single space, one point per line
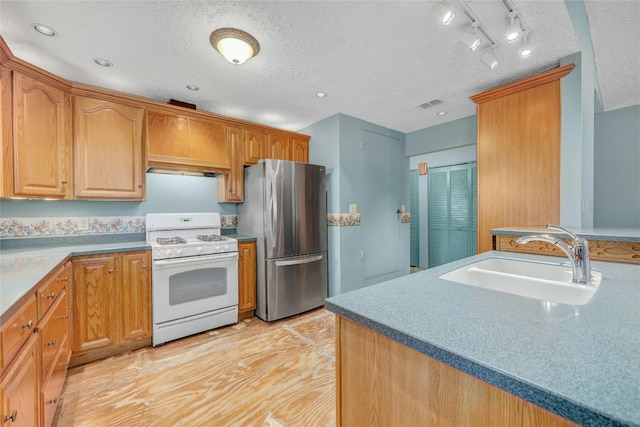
53 333
52 387
17 330
48 292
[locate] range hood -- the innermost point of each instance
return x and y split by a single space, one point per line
185 172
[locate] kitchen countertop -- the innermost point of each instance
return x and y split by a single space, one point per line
241 237
631 235
21 269
580 362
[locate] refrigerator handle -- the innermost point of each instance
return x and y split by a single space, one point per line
299 261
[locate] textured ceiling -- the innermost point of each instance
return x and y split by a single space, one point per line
376 60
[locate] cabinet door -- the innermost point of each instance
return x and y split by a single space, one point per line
231 185
108 150
95 301
167 138
19 388
41 143
254 147
136 296
300 150
247 276
278 147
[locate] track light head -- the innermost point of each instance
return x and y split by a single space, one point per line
470 40
525 46
489 59
443 12
513 31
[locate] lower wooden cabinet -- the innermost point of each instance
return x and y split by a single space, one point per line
35 345
246 279
111 305
20 389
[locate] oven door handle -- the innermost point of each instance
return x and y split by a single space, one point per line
299 261
196 259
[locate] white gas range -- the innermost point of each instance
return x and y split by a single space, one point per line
194 276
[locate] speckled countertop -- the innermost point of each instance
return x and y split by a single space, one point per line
22 269
631 235
581 362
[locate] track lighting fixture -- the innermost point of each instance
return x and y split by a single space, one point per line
489 59
471 39
513 32
444 12
525 47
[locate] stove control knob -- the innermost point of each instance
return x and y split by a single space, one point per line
168 252
225 248
178 252
198 250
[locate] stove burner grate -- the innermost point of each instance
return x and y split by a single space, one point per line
210 237
170 240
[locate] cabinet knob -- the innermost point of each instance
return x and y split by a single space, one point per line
139 185
51 343
111 271
64 182
13 417
64 317
52 295
144 266
28 325
54 400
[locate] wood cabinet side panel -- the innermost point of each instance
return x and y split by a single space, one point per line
6 131
518 161
385 383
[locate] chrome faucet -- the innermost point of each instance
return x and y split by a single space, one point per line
578 253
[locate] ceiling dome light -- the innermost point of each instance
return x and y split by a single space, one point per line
525 46
470 40
235 45
513 32
489 59
44 30
444 12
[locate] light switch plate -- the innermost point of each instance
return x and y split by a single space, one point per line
83 224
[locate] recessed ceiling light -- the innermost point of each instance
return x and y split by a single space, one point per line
442 113
193 87
321 94
44 30
103 62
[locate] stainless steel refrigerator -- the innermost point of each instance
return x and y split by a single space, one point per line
285 208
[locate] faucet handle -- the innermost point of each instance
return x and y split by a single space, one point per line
557 227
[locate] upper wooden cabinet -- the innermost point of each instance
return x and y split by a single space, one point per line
231 185
255 146
108 148
183 142
518 159
278 147
300 150
36 138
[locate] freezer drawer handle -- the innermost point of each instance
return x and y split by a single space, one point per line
299 261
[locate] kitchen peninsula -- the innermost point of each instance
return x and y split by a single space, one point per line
419 349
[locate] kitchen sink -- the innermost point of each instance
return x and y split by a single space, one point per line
540 280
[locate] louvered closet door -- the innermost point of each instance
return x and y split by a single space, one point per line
438 216
452 200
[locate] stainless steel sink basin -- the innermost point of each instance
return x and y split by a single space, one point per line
543 281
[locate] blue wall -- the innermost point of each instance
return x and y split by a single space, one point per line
165 193
617 168
336 144
456 133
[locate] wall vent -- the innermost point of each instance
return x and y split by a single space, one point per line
431 103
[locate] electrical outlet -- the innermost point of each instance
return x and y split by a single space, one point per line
83 224
353 208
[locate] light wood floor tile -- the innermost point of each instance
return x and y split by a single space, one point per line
250 374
